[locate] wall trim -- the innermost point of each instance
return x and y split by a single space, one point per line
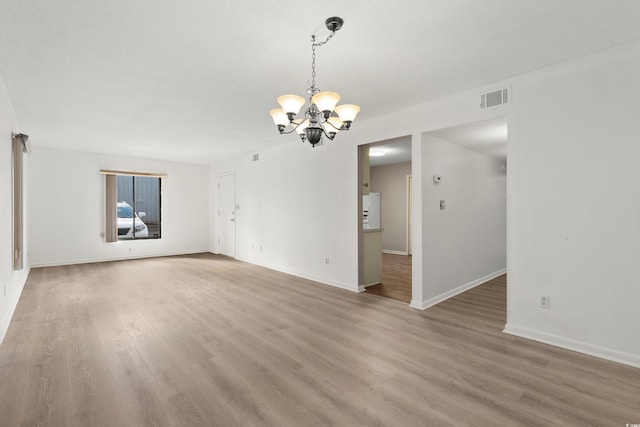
423 305
319 280
6 321
417 305
394 252
573 345
123 258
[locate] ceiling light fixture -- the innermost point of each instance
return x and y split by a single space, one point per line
323 116
377 153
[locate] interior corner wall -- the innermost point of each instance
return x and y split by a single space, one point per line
574 206
11 282
66 216
296 209
391 182
464 244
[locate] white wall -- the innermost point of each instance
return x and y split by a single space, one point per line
572 234
464 244
574 147
301 204
11 282
391 182
66 215
297 203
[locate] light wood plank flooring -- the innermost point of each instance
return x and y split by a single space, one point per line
395 278
204 340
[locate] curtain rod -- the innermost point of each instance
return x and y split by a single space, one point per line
152 175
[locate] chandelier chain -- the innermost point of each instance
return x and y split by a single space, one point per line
313 55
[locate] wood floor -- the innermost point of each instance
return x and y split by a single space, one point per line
204 340
395 278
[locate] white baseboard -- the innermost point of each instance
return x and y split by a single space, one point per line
574 345
423 305
347 286
361 288
122 258
394 252
6 320
417 304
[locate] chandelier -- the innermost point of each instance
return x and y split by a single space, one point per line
322 116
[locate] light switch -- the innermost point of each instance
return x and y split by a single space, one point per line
441 205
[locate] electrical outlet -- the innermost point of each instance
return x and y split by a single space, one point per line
545 301
327 260
260 248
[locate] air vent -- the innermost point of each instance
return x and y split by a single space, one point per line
256 157
494 98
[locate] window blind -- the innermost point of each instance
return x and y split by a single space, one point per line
111 211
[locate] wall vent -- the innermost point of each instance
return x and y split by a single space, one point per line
256 157
494 98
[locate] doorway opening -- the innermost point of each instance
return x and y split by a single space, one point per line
464 208
385 218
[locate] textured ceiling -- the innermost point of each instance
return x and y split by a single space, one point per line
194 80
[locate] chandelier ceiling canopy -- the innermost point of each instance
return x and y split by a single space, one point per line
323 116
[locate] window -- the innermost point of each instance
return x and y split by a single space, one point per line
133 209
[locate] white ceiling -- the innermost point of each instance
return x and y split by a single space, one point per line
194 80
397 150
488 137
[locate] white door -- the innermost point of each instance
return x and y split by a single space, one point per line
226 224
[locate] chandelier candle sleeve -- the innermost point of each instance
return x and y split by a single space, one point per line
322 116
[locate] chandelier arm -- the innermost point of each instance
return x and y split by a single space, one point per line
327 135
331 124
288 132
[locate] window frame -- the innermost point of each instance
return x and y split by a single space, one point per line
110 233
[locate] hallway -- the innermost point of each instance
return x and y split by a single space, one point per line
395 278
